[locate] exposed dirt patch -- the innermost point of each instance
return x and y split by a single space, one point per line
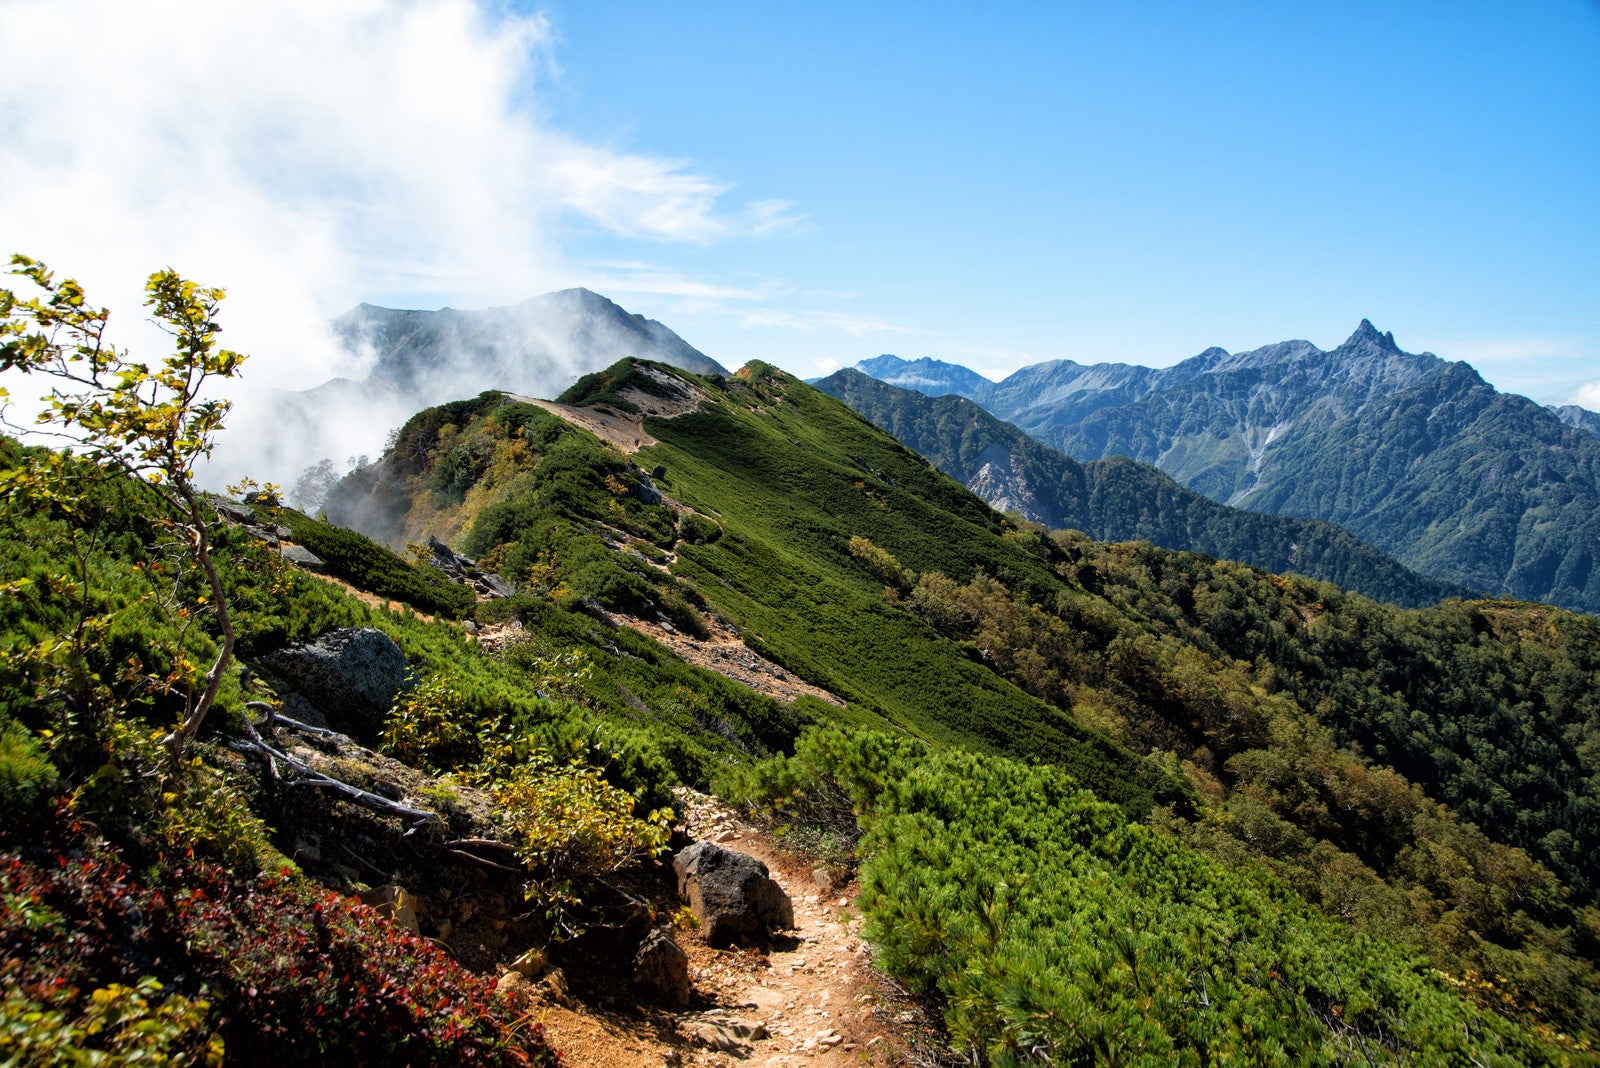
812 997
626 430
726 654
617 428
392 604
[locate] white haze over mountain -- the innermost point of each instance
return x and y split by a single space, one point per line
308 156
537 347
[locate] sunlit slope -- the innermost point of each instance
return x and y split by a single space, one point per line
852 562
791 476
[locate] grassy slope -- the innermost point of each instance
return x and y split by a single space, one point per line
791 477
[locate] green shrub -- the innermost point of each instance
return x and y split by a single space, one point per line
26 773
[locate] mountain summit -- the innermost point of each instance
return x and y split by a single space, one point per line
522 348
417 359
1414 454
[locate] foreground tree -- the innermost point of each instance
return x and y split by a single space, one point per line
149 422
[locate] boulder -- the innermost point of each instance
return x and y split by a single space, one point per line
731 894
235 513
494 585
300 556
352 674
661 970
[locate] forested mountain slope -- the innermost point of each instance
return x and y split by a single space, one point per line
1119 499
1426 776
1414 455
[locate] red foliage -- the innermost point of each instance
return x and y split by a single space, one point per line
294 974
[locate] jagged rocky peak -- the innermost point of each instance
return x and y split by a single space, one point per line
1368 336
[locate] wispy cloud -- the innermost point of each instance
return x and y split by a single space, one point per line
1587 396
310 155
812 321
1549 368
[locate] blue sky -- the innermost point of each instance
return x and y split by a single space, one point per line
991 184
1001 184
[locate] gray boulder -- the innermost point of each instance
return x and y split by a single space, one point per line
300 556
353 675
661 970
731 894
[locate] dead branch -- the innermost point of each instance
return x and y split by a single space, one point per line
309 776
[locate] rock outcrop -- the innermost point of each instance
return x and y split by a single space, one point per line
731 894
661 970
352 675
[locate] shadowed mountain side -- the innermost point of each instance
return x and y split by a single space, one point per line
1413 454
1119 499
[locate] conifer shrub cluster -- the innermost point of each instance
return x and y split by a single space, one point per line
367 565
1052 930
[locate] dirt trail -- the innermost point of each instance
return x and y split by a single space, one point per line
725 652
625 432
812 998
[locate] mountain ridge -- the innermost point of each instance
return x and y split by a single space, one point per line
415 359
1295 430
1117 499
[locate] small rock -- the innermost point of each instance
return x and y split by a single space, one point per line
394 903
515 988
661 968
307 847
530 964
554 982
822 878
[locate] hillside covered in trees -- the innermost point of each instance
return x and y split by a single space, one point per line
1425 776
1109 802
1413 454
1118 499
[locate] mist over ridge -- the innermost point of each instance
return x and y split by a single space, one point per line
416 359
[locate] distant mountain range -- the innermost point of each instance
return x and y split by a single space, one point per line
421 358
1117 499
535 347
1413 454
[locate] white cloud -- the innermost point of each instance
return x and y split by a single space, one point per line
1549 368
309 155
1587 396
808 322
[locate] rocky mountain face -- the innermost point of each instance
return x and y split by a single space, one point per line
1574 416
536 347
930 377
1118 499
1411 453
423 358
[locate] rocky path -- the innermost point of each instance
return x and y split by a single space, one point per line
810 999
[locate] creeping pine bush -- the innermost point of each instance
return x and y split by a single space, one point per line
1054 931
101 967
